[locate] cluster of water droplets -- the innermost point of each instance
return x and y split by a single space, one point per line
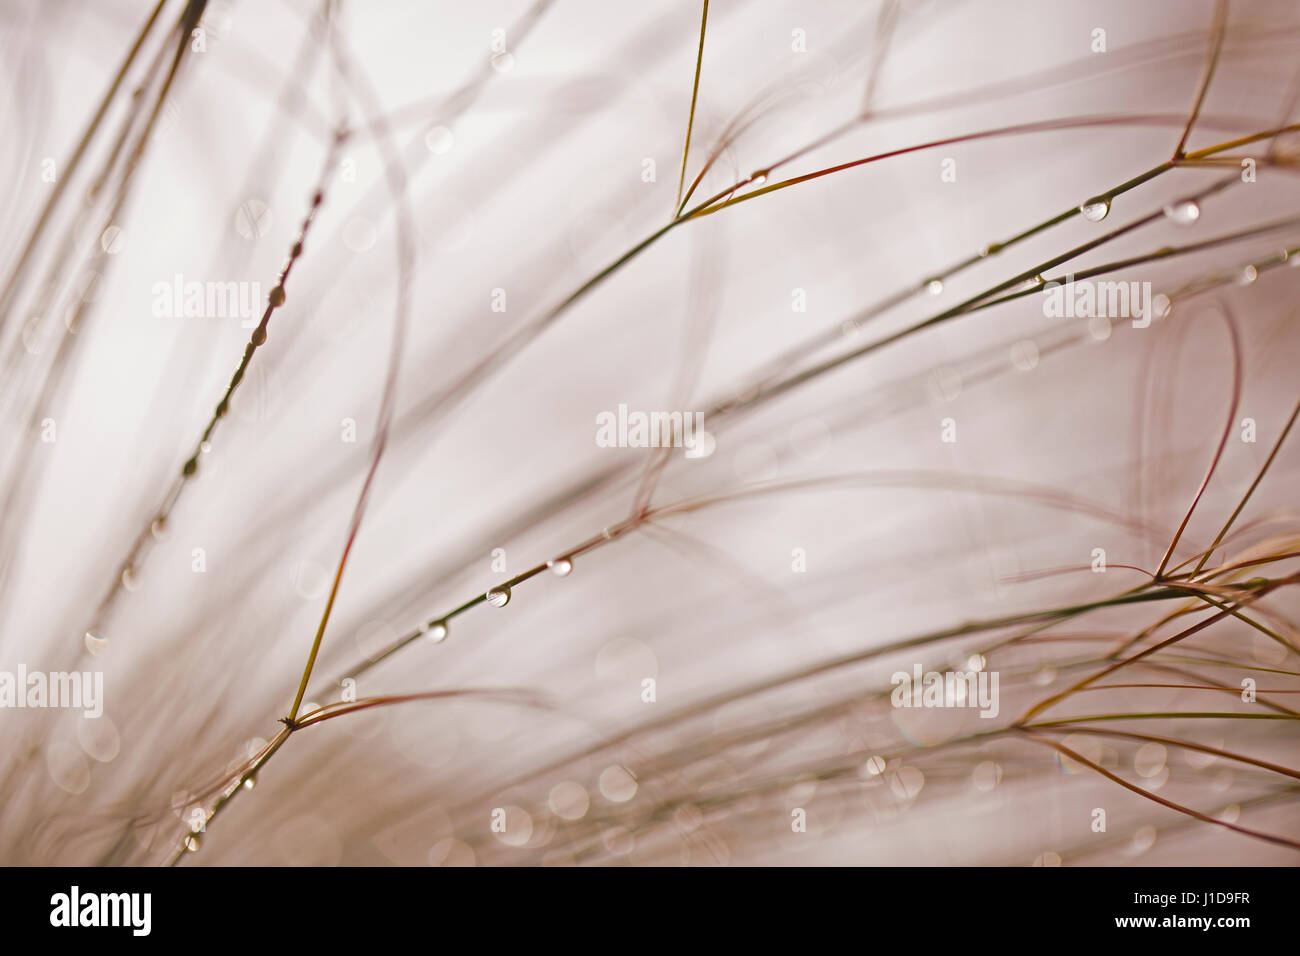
436 630
1184 212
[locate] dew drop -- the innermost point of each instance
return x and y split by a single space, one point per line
95 644
986 776
906 782
617 784
192 843
451 852
1161 306
1150 759
934 287
618 840
112 240
439 140
1033 282
436 631
1198 760
250 782
569 800
758 178
875 765
1144 838
159 528
499 597
518 827
560 567
68 768
1248 275
129 581
99 738
1095 210
1183 213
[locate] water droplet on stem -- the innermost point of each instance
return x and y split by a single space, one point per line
1095 210
1183 213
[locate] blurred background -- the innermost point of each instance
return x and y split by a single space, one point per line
490 268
